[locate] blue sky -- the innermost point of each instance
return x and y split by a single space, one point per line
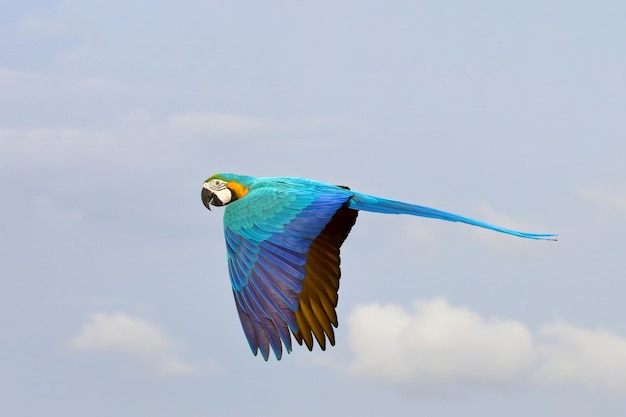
114 292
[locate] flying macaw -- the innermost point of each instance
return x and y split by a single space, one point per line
283 236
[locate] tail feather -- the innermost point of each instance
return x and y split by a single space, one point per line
381 205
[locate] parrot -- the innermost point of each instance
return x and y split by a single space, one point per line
283 236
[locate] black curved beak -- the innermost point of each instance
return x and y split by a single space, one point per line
206 198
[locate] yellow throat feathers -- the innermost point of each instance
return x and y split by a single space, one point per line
237 188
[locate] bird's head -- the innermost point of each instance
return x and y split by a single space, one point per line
221 189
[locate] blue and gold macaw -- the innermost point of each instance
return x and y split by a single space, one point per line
283 236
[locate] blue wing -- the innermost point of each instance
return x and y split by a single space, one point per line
283 259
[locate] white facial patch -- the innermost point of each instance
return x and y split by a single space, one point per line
219 189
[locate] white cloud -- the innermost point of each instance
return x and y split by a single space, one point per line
220 123
54 144
64 87
83 56
593 358
437 346
135 338
35 25
29 83
138 132
8 75
605 200
229 124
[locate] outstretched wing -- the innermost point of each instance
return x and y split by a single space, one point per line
283 259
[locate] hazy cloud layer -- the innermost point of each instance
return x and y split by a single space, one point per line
113 113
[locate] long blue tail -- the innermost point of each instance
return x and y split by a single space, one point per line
381 205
